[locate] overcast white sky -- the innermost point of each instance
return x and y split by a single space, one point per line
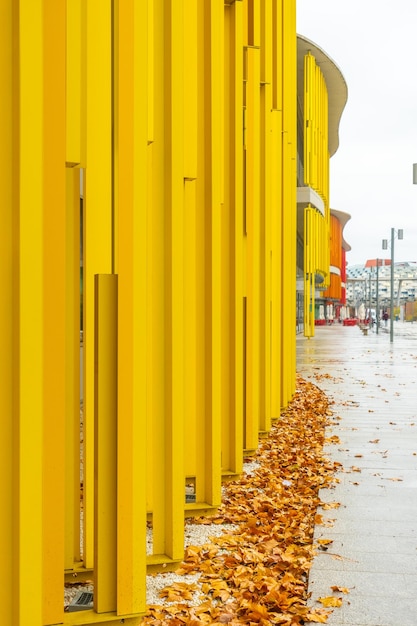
374 43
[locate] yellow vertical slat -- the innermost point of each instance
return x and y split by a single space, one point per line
193 362
277 208
54 305
265 208
97 219
75 88
72 349
237 256
155 291
253 249
226 226
132 211
276 264
289 202
193 279
213 459
309 243
190 89
105 444
168 525
7 208
150 68
232 227
28 364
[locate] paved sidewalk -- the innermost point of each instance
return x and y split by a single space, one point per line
374 533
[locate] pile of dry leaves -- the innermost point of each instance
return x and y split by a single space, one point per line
259 574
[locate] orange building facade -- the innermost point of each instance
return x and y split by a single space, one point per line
334 297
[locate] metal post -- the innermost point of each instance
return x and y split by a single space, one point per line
370 296
377 296
391 335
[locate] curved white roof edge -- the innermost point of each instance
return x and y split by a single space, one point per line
336 85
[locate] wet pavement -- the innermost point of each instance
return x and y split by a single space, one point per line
372 549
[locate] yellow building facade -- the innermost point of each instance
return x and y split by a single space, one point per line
322 95
175 120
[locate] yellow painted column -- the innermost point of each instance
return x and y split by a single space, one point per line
72 391
204 281
8 446
277 204
232 221
28 444
174 286
132 399
266 174
166 293
75 117
276 264
76 85
309 265
237 250
155 284
105 444
216 160
289 201
252 197
54 305
98 219
194 284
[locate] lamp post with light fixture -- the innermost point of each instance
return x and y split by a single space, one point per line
400 235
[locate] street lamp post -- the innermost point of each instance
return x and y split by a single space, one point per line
400 235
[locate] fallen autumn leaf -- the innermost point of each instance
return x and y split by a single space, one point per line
259 573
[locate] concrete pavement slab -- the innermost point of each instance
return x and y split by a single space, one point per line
373 435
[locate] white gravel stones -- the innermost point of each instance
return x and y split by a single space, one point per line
251 466
156 583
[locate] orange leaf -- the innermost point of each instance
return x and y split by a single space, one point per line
330 601
318 618
341 589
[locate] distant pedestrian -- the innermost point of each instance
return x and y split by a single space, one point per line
385 317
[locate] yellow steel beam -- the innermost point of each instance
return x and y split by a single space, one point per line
166 476
98 219
194 272
190 90
150 68
289 200
236 447
277 204
215 157
155 288
132 211
72 377
174 288
75 87
105 444
276 264
265 212
28 359
194 364
252 245
232 220
7 304
54 305
226 226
